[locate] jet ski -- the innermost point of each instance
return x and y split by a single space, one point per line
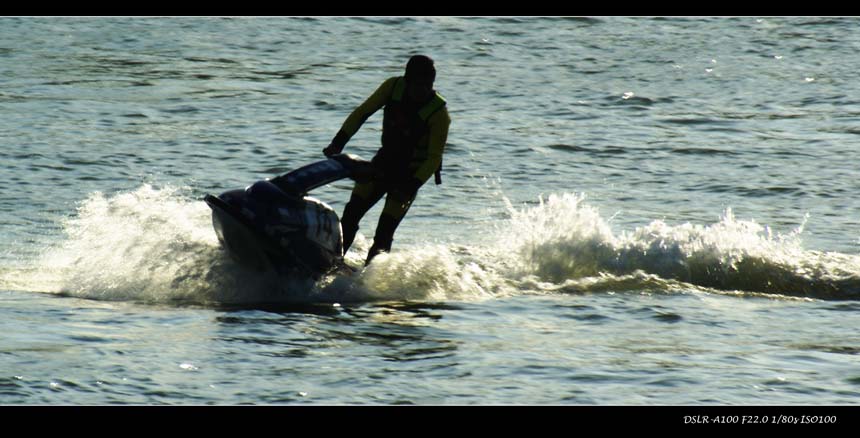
273 225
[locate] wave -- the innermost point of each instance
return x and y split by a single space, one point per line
156 245
563 238
151 245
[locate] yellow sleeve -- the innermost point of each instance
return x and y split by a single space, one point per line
439 124
373 103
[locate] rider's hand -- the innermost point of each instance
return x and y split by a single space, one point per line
332 149
337 144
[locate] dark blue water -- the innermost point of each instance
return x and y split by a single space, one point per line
634 211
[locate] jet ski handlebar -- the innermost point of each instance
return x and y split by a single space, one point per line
360 169
304 179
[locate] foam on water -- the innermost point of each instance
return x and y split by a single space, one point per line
436 272
157 245
148 245
564 239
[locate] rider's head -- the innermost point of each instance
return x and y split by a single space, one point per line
420 74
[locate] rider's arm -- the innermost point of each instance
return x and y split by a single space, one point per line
373 103
439 124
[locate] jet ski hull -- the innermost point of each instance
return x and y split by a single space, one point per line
274 225
239 236
272 231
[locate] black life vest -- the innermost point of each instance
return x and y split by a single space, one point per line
405 132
